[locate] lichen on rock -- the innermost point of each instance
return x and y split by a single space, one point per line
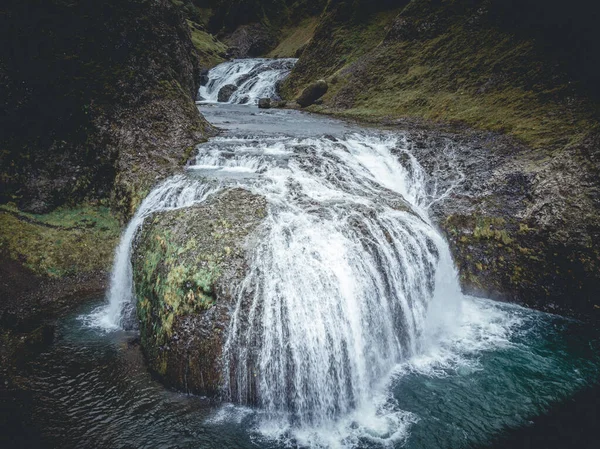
187 264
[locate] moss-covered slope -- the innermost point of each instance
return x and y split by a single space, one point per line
452 60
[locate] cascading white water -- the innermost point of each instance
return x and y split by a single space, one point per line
253 79
342 279
347 277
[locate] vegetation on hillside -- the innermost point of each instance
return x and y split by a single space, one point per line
64 242
97 107
459 60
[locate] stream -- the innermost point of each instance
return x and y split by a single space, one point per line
356 320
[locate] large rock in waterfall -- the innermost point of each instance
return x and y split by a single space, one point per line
187 264
226 92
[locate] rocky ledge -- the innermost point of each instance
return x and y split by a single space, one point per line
522 226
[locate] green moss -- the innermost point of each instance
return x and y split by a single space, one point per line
187 154
181 256
491 228
169 286
210 49
66 241
294 38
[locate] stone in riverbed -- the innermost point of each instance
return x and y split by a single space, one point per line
312 93
264 103
187 264
226 92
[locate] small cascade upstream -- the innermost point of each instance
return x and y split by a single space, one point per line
347 276
252 78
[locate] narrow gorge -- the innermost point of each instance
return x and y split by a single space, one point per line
298 224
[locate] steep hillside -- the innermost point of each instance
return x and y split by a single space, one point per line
254 28
458 60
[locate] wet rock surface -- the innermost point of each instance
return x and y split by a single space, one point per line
226 92
522 225
264 103
187 264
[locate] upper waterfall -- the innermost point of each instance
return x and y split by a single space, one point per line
248 80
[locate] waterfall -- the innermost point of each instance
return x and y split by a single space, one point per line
343 277
252 78
347 275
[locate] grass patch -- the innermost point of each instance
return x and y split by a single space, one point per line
294 38
210 49
63 242
445 68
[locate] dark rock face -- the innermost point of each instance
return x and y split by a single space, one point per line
264 103
250 41
187 264
519 230
312 93
102 108
204 77
226 92
242 79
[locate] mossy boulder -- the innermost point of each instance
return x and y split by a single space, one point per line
312 93
226 92
187 264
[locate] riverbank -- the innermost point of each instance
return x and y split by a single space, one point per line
99 102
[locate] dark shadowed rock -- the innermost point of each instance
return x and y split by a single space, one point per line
204 77
226 92
242 79
79 136
187 264
312 93
264 103
250 41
